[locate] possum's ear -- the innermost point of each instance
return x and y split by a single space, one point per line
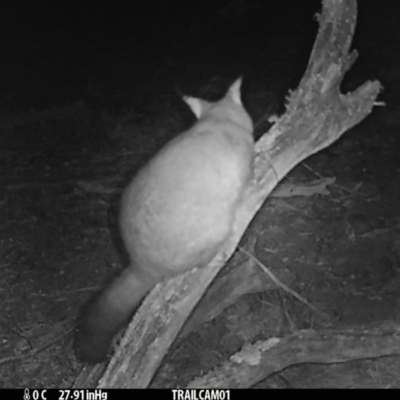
234 91
198 106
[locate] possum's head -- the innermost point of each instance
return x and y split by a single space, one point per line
230 107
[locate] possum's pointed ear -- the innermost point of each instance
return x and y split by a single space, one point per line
196 105
234 91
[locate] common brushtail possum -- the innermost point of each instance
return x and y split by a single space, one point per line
176 213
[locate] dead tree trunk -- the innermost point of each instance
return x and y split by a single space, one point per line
317 114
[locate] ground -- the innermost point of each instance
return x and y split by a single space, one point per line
63 166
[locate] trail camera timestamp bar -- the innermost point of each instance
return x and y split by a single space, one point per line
110 394
65 394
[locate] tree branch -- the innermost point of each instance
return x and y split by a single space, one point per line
254 362
317 114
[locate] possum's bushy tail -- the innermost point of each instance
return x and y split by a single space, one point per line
107 314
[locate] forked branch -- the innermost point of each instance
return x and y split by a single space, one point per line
317 114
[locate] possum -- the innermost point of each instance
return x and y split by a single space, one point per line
175 214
